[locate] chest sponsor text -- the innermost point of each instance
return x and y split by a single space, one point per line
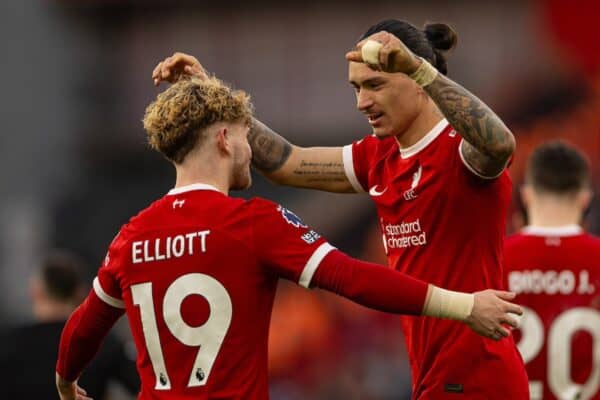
404 235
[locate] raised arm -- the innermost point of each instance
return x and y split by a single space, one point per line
281 162
488 144
277 159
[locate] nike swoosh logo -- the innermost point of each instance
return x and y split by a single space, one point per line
373 191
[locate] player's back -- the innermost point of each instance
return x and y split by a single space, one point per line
193 275
556 274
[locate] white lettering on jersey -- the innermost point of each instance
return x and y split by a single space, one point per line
170 247
549 282
178 203
405 234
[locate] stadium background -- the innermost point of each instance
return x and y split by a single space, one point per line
74 165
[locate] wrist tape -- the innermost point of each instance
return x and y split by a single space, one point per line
442 303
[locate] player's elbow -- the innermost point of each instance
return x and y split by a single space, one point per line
505 148
283 174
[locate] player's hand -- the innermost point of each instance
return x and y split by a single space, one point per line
172 68
491 310
394 56
70 390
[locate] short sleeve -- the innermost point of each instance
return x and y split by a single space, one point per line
285 244
356 158
106 285
473 170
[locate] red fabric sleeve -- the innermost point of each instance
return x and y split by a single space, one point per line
371 285
83 334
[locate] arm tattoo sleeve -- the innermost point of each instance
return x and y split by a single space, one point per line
481 128
321 172
269 150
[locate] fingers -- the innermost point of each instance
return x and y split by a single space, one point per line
512 308
375 57
182 58
510 321
503 332
504 295
354 56
386 54
156 74
171 67
81 390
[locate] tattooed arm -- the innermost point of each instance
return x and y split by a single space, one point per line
488 144
281 162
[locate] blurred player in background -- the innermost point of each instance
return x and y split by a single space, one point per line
435 168
197 270
554 266
28 353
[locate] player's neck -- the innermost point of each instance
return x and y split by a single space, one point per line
421 126
209 172
553 214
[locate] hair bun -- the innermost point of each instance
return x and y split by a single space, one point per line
441 36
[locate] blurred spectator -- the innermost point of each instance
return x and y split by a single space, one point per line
28 353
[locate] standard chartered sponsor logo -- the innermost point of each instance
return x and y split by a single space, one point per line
403 235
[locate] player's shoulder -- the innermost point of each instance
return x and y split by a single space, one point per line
589 241
260 206
590 238
272 212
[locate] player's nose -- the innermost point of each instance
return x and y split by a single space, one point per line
363 100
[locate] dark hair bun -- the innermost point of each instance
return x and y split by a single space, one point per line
441 36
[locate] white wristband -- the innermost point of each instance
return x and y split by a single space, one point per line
425 74
442 303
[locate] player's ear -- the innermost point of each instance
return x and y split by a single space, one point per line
224 141
36 289
584 198
526 192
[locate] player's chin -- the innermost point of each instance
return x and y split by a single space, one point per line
382 132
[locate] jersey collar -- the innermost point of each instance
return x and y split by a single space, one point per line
425 140
193 186
566 230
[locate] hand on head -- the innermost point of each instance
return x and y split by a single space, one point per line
173 67
392 54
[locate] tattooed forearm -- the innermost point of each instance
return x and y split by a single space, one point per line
473 120
269 150
313 172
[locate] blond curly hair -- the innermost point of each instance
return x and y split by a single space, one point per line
174 122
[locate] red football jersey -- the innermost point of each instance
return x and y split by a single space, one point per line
196 273
443 224
556 274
